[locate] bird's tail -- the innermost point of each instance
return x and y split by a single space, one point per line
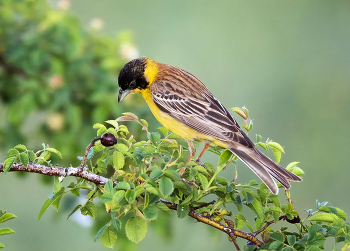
265 168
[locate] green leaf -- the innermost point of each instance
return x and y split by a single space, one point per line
31 156
182 211
122 185
242 219
166 186
154 137
136 229
100 232
151 212
210 168
187 200
277 154
324 217
118 160
164 208
107 197
224 157
291 239
130 196
313 248
156 173
113 123
109 237
57 185
13 153
109 187
74 210
89 209
172 174
2 245
257 208
258 138
203 181
291 165
163 131
6 231
116 224
21 147
340 213
297 171
121 148
131 115
263 145
6 217
318 240
277 236
201 170
275 145
288 249
53 150
8 163
152 190
45 206
144 123
118 196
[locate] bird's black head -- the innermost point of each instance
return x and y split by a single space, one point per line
132 77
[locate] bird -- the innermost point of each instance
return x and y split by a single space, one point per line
185 107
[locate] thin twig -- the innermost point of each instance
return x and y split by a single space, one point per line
204 205
283 217
99 180
83 162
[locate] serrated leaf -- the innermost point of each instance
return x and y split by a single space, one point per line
297 171
6 217
57 185
109 237
277 154
172 174
154 137
130 196
13 153
182 211
156 173
118 196
118 160
258 138
45 206
341 213
263 145
277 236
122 185
150 212
23 157
8 163
113 123
152 190
291 239
257 208
136 229
275 145
100 232
224 157
107 197
239 112
144 123
313 248
131 115
74 210
163 130
53 150
31 156
164 208
324 217
291 165
201 169
121 148
89 209
203 181
21 147
166 186
6 231
318 240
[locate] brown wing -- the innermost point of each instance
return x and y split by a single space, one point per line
193 105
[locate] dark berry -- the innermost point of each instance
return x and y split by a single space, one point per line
108 139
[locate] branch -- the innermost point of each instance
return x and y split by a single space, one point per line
100 180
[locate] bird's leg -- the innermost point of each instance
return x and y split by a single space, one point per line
192 150
206 146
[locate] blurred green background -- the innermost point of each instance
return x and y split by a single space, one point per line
288 62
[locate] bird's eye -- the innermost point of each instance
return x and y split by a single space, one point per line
132 84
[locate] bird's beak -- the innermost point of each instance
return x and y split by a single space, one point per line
122 94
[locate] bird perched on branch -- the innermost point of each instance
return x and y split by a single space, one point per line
184 106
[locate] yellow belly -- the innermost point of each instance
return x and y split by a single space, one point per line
175 126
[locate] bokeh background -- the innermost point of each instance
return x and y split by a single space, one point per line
288 62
